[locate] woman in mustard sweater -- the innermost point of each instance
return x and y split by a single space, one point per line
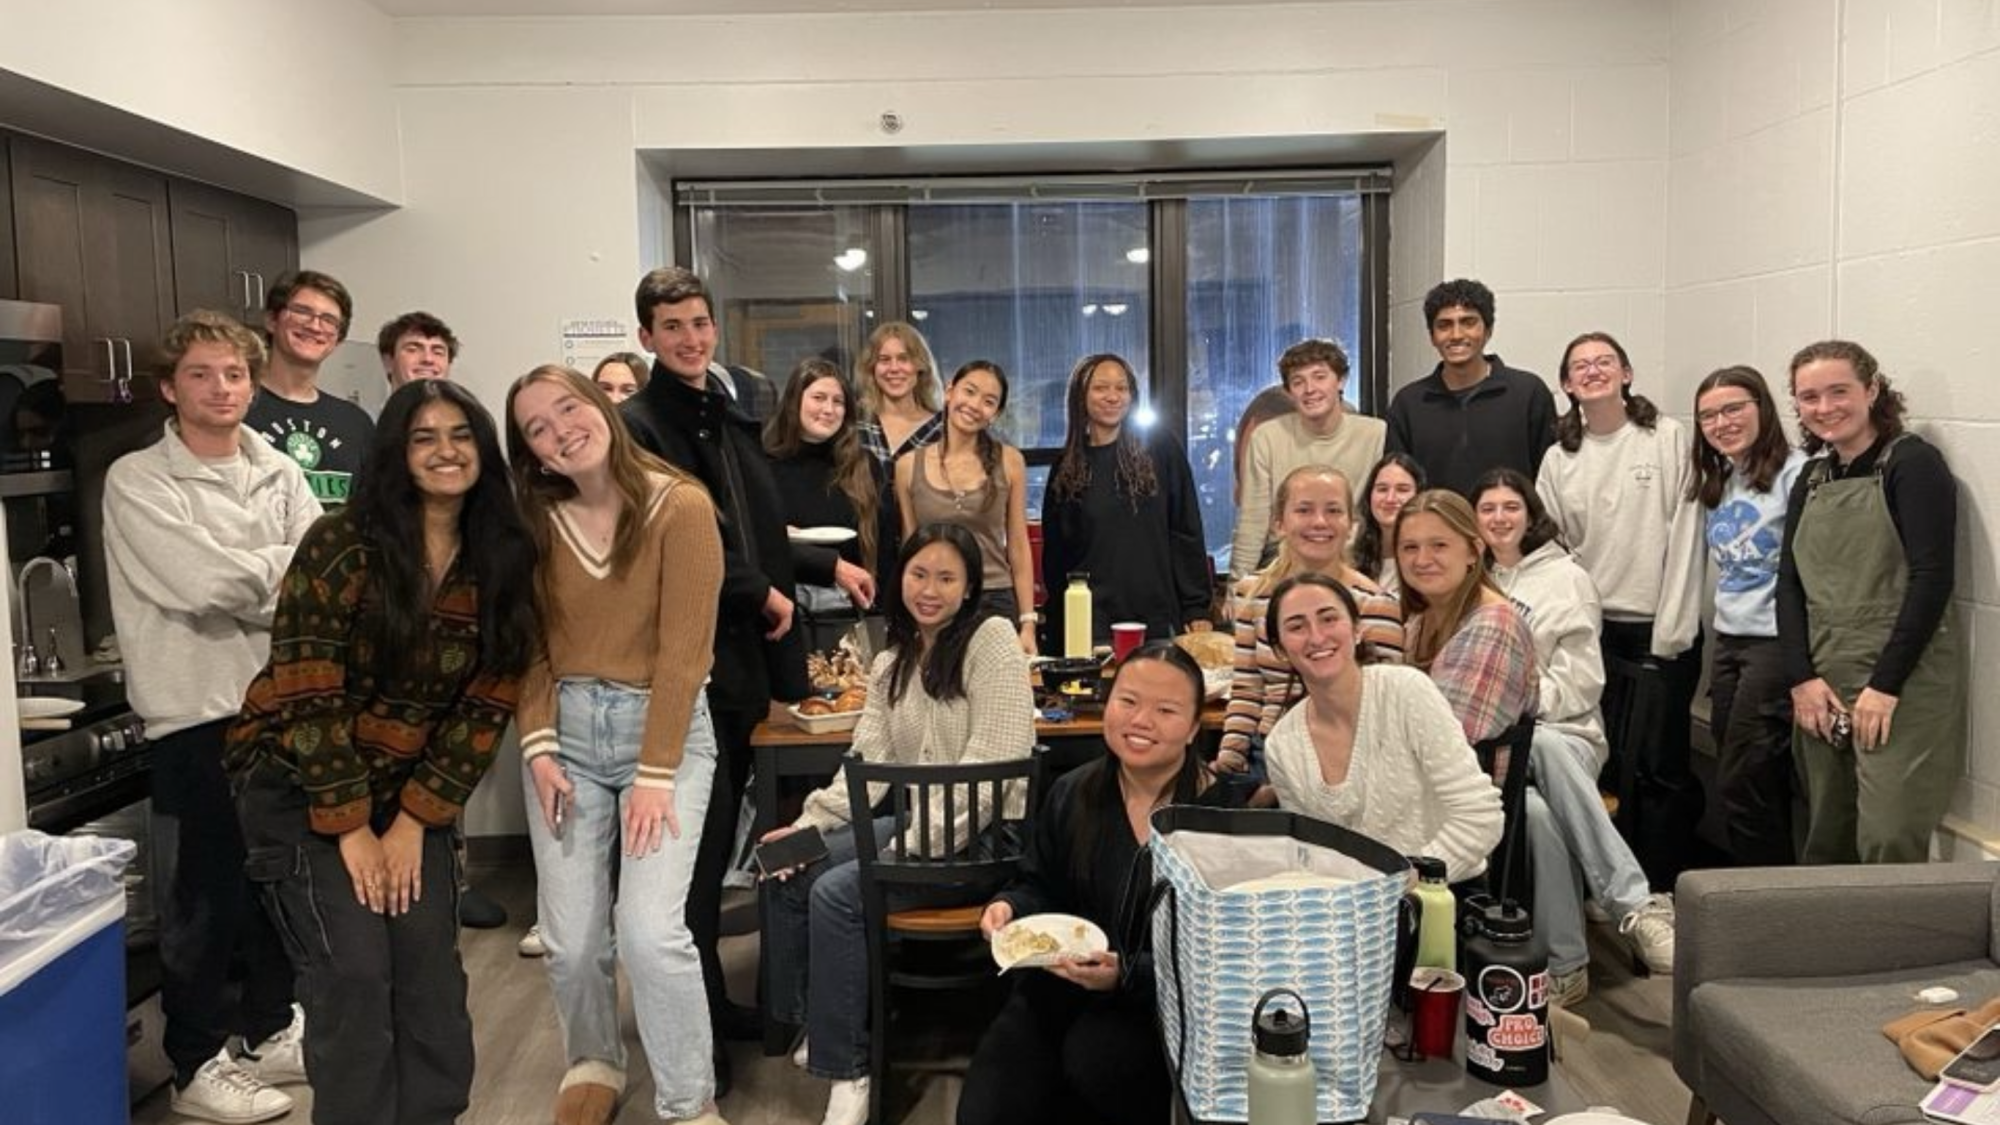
616 741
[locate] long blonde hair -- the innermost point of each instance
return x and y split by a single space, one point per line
632 468
1430 626
1287 562
926 390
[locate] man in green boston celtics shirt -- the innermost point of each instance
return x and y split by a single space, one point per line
306 315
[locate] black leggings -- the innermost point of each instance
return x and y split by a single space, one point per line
1058 1055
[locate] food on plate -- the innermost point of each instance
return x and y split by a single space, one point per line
835 671
817 705
1016 942
1210 649
853 699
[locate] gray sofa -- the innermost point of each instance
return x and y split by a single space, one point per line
1783 978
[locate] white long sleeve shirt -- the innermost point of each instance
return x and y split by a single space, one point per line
194 552
1560 605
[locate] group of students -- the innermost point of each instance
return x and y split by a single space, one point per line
622 585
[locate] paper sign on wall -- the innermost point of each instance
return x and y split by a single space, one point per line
587 340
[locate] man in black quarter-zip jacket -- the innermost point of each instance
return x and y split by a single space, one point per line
685 416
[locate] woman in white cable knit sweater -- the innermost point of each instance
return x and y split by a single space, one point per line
1374 748
951 689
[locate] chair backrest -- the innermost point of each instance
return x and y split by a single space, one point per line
1505 759
958 812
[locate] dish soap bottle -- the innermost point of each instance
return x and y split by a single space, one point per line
1076 616
1284 1087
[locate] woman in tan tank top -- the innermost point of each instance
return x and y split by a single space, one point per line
978 482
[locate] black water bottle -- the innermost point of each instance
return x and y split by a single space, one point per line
1506 995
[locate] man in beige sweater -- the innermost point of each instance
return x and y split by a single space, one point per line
1321 432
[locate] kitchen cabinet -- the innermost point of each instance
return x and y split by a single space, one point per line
91 234
9 286
228 249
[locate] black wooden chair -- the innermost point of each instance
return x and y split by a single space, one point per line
1510 873
973 851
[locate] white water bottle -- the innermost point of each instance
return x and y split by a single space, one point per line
1284 1087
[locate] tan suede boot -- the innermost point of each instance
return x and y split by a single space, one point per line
589 1094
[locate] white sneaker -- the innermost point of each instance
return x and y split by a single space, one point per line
848 1103
800 1056
281 1059
1650 929
223 1091
530 944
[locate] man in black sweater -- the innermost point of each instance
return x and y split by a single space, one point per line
686 416
1472 413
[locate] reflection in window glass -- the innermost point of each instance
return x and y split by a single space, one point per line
1033 287
1263 274
791 283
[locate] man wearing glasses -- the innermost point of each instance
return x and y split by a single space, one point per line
307 314
1472 413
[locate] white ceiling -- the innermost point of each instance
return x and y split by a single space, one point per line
454 8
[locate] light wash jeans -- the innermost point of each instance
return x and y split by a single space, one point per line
1576 849
598 726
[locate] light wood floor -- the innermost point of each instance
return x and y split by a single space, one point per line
1623 1064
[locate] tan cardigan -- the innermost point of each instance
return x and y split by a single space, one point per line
651 626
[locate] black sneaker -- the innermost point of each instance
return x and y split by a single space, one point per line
478 912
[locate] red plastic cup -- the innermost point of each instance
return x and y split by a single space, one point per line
1434 998
1126 637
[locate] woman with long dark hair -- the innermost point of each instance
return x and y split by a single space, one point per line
1616 483
952 687
1391 483
976 481
1373 747
1567 826
402 631
1744 470
827 479
1864 614
1121 505
1083 1035
617 746
898 379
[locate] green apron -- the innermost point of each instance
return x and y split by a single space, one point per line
1878 806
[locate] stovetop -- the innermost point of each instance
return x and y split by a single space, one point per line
102 696
100 764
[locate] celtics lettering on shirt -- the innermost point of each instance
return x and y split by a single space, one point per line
327 437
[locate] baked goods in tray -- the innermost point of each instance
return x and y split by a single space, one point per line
1211 649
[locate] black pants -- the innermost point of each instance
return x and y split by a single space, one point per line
718 844
1057 1055
1650 729
1751 714
208 910
388 1038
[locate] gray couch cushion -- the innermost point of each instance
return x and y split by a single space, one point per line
1811 1050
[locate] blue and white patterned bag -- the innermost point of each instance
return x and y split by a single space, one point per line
1248 900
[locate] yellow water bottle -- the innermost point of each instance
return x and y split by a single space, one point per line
1076 616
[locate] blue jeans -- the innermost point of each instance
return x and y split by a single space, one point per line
819 952
1577 850
599 726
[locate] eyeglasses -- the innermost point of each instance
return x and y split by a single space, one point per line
1729 411
1600 363
329 321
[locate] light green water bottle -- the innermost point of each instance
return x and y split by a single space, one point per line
1284 1088
1437 921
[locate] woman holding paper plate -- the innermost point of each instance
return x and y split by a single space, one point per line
835 495
1082 1035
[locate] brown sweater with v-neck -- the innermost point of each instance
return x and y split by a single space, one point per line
650 625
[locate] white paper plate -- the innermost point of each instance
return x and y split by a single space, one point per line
822 536
46 706
1595 1117
1073 936
1216 682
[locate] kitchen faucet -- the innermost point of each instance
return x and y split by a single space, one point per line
31 662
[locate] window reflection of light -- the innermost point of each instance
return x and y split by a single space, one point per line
1116 310
1090 310
851 259
1138 255
920 314
1144 417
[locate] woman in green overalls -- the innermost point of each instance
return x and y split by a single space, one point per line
1864 616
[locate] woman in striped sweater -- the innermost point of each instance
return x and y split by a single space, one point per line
616 742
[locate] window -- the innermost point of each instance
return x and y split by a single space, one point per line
1198 280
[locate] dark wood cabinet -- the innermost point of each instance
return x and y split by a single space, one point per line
10 288
228 249
92 236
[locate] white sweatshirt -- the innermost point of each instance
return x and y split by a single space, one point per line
1619 500
1560 605
194 554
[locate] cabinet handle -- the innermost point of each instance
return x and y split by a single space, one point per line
110 360
260 291
245 275
123 391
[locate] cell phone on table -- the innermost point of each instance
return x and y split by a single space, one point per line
794 849
1978 1066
